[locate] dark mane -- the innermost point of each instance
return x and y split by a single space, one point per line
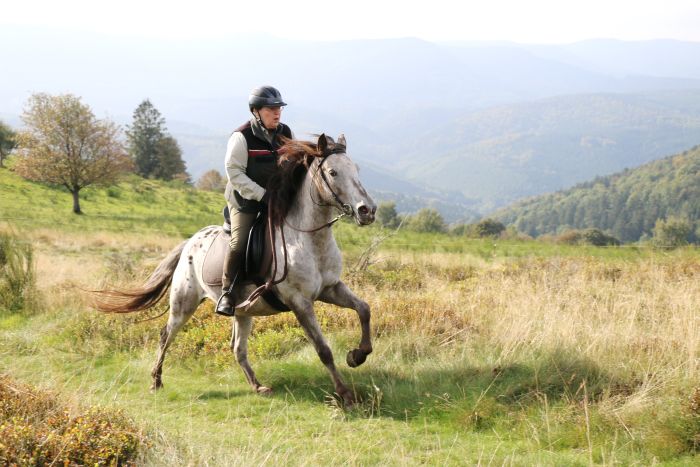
295 158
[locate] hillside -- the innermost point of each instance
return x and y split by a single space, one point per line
134 205
504 153
626 204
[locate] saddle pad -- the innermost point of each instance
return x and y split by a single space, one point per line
213 266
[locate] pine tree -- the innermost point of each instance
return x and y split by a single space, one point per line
143 138
7 141
156 154
169 160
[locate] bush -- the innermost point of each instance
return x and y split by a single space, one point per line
17 280
568 237
671 233
426 220
489 228
211 180
597 237
387 216
36 430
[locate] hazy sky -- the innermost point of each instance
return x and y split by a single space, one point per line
535 21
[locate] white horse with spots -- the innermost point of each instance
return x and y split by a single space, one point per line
312 256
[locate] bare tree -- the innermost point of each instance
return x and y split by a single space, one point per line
211 180
64 144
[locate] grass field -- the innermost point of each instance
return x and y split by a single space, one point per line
486 351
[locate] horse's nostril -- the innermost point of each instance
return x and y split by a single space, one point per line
374 209
363 210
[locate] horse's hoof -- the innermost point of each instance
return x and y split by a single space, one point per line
348 399
156 386
263 390
356 358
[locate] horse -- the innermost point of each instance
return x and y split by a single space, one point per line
313 181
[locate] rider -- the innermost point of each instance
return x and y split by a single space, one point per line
251 159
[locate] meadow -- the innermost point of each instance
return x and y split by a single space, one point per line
487 351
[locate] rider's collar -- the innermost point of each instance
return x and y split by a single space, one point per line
263 133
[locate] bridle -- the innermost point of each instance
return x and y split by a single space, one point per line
344 208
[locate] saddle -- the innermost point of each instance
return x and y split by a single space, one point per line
258 258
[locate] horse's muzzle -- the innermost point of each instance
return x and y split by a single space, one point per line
365 214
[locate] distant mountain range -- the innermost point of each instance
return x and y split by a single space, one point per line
465 127
626 204
504 153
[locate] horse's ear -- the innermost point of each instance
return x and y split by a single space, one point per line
322 145
341 140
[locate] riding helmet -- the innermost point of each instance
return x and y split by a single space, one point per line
265 96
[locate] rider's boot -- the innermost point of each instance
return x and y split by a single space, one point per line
225 306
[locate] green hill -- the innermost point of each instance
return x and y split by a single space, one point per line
626 204
135 204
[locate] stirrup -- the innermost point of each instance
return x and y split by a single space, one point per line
225 309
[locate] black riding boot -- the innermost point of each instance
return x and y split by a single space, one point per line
225 306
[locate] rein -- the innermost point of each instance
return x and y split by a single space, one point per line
346 210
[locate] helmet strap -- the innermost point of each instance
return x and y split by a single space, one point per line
256 114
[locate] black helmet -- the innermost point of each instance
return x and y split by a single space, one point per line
265 96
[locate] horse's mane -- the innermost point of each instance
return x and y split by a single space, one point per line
295 159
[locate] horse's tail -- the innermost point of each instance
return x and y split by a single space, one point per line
144 297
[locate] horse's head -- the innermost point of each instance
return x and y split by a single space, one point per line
339 183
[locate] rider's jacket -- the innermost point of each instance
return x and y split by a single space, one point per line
249 173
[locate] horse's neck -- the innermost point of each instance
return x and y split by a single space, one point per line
309 212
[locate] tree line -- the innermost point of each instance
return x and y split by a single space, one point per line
631 205
64 144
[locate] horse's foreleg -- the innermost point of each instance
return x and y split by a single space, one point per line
242 327
307 318
341 295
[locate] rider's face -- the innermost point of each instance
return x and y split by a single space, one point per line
270 116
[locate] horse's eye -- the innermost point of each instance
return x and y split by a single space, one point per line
332 173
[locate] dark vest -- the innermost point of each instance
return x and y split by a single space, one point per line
262 162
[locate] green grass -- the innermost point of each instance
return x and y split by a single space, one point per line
445 407
486 351
134 205
433 410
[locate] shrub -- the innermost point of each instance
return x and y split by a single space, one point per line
37 430
387 216
489 228
211 180
17 281
426 220
671 233
597 237
274 343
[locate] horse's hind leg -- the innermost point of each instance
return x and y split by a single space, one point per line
341 295
183 303
242 326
